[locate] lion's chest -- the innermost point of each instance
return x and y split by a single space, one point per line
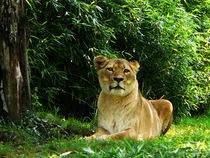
115 118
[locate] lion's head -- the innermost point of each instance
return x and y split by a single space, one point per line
116 76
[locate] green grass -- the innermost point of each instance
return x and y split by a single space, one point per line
46 135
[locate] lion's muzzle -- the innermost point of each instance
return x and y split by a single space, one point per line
116 87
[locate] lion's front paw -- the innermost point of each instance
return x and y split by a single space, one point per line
102 137
90 137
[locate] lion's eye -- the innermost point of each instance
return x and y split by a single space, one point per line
110 69
126 71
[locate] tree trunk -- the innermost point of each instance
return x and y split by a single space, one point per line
15 85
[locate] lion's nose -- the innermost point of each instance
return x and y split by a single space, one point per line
118 79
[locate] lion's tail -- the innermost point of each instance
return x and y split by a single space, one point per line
168 125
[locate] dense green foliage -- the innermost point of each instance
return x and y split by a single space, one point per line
49 135
167 37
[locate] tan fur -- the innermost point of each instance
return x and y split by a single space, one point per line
122 111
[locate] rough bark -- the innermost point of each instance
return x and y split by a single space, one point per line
14 58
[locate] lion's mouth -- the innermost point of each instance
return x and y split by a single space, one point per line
116 87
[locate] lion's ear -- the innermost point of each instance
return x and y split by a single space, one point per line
100 62
135 65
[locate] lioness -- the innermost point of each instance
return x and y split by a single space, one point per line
122 111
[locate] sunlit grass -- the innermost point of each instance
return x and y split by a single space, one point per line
188 138
191 133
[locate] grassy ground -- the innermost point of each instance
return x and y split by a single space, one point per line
47 135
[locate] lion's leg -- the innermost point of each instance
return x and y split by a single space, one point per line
104 134
164 109
99 133
128 133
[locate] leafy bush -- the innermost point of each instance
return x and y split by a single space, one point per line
200 80
66 36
